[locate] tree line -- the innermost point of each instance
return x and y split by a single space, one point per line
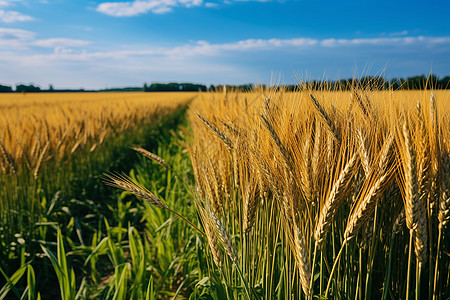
369 82
174 87
421 82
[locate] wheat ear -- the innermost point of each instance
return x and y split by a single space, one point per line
125 183
306 172
399 222
211 237
226 140
364 155
277 141
332 201
361 104
151 156
250 205
315 160
224 238
414 209
302 259
9 161
327 120
444 203
39 162
364 207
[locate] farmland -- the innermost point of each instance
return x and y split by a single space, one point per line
314 188
55 149
266 194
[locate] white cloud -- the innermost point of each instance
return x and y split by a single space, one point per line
162 10
19 39
400 33
11 38
22 39
393 41
138 7
8 2
252 0
190 3
205 48
9 16
12 33
60 42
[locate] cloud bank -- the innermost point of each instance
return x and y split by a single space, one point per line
67 62
138 7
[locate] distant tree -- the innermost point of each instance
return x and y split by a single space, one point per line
395 83
5 89
21 88
416 82
175 87
444 83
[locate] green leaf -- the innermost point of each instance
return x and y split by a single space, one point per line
121 290
150 295
11 281
97 249
31 280
66 278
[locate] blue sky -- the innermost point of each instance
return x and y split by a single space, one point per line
98 44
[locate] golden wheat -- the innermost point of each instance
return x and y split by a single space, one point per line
318 161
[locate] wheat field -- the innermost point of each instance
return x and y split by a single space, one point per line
34 125
268 194
322 193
